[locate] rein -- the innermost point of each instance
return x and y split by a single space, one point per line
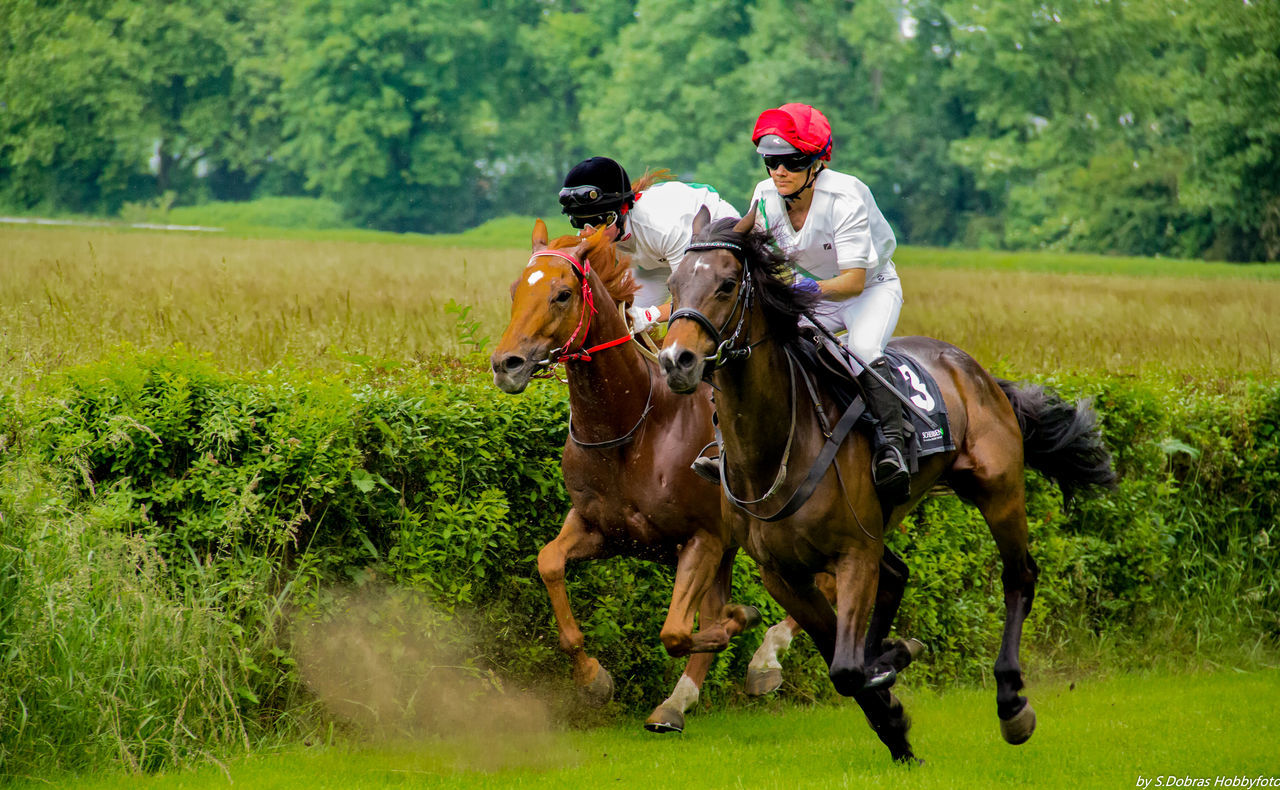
547 366
725 352
818 470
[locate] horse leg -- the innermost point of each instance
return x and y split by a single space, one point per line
704 562
576 541
810 608
669 715
885 658
1002 500
857 580
764 672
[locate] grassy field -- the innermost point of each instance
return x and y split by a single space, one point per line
257 299
1096 733
65 294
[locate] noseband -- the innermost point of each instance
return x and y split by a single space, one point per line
726 350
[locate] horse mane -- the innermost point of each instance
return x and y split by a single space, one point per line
782 305
650 178
614 270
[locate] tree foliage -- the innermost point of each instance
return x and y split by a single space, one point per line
1131 126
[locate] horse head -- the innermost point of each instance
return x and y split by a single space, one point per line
553 300
710 300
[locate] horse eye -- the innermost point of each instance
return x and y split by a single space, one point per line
726 286
564 295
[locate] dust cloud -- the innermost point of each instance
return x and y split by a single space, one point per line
394 668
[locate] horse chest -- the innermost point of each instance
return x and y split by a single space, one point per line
783 549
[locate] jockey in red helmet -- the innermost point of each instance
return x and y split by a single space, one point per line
842 247
654 221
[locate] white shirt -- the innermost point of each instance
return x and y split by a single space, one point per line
844 229
660 224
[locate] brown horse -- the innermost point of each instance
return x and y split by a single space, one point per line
737 321
626 461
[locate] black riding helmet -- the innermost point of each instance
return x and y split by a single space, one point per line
596 192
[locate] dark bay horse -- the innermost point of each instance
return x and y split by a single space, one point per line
737 322
626 461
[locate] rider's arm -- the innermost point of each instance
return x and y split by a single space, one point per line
845 285
855 252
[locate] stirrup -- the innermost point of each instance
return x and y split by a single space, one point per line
891 476
707 468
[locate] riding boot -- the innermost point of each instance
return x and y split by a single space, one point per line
890 473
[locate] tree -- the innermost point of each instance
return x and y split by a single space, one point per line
1231 92
669 97
69 133
386 109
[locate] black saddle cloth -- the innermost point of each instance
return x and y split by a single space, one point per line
831 368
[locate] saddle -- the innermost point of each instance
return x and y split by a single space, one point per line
827 360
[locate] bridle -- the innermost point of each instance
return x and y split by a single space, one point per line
546 367
727 349
582 268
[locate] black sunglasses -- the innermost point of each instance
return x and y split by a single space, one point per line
595 221
587 196
794 163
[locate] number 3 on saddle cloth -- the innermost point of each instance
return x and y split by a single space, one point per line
913 381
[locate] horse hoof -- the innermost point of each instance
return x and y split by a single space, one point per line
881 680
915 647
599 690
750 617
664 719
1018 729
763 681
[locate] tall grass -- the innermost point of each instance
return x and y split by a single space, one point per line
257 302
108 659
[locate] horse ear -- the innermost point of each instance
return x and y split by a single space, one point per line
700 221
602 235
539 236
745 224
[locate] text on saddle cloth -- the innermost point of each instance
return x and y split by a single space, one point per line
915 383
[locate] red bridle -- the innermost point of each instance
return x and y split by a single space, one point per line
583 270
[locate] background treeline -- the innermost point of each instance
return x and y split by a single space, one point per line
1134 126
170 532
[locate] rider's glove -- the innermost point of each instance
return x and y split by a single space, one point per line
643 318
807 286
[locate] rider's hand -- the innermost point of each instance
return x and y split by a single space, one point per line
643 318
806 285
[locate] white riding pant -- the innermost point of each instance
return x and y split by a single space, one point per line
869 318
653 286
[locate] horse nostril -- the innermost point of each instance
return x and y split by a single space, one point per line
685 360
513 363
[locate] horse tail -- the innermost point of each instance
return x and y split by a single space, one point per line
1061 439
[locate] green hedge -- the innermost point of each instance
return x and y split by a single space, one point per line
166 528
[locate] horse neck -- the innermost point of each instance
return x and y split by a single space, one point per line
754 405
609 391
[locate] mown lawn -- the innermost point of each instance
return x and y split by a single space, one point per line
1093 733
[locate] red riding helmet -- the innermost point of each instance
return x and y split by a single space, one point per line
799 124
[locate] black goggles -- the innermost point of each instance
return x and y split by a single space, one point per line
595 221
587 196
794 163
